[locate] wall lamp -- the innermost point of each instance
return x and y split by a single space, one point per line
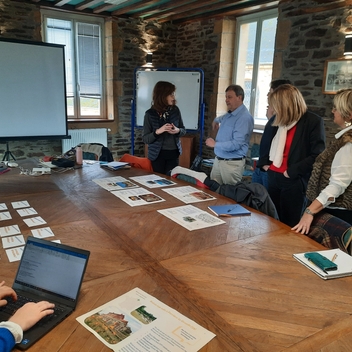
348 45
149 59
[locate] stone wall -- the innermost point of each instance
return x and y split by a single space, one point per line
309 33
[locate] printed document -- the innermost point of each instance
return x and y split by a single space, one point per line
188 194
191 217
138 322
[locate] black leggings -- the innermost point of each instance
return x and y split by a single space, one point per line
166 161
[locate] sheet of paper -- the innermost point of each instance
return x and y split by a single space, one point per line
115 183
42 232
191 217
26 212
37 221
3 206
5 215
189 194
13 241
9 230
137 196
138 322
21 204
152 181
14 254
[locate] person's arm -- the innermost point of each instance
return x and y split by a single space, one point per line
7 340
341 176
149 135
340 179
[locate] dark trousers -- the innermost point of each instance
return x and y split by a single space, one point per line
344 214
288 196
166 161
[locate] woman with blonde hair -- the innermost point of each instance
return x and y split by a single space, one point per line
299 139
329 186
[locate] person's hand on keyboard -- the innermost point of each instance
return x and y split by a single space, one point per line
31 313
6 291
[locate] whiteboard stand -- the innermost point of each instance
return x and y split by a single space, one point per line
189 84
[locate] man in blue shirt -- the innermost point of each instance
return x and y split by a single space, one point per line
232 141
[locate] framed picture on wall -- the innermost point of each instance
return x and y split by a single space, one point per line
337 75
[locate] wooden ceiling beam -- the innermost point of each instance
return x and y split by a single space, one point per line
222 10
124 10
87 3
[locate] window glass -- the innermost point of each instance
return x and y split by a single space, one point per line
83 59
255 54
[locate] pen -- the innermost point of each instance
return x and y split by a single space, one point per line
334 257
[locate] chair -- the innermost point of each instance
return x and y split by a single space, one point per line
137 162
331 232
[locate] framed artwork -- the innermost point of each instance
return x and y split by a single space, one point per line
337 75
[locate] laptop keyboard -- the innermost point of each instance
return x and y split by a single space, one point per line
11 307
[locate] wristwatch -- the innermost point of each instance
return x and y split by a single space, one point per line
308 211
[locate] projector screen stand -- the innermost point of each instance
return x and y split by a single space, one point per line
8 155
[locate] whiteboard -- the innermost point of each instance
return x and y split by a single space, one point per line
188 93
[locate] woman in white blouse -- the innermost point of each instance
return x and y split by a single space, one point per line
330 186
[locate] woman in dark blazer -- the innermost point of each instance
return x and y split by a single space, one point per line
299 139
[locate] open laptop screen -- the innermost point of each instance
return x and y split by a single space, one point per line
52 268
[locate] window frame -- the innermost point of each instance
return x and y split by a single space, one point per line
95 20
259 18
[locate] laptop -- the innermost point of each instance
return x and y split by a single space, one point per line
47 271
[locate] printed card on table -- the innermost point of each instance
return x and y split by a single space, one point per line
42 232
21 204
114 183
5 215
13 241
189 194
14 254
9 230
26 212
37 221
152 181
3 206
137 196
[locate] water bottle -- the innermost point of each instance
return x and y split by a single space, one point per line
79 155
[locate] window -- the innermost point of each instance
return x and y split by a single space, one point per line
82 37
255 44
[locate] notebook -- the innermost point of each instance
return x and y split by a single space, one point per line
342 259
229 210
47 271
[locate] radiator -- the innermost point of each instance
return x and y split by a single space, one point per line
91 135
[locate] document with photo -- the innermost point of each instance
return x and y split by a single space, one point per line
191 217
152 181
138 322
115 183
137 196
189 194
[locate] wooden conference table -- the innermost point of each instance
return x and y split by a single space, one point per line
238 279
